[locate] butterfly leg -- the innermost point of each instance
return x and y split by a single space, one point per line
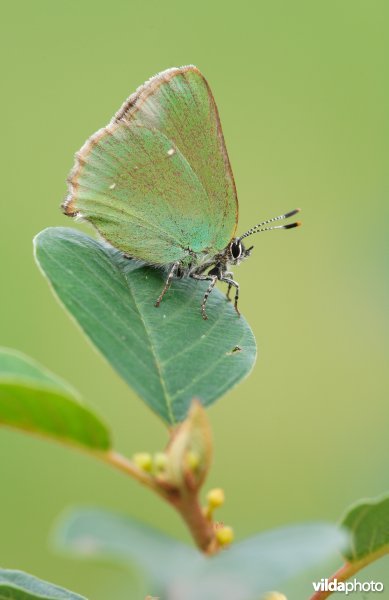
233 283
213 279
230 275
168 282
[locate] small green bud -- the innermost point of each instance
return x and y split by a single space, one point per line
215 498
192 460
143 460
225 535
160 461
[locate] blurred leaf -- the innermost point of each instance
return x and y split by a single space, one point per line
246 569
16 585
35 400
368 522
261 563
94 533
168 355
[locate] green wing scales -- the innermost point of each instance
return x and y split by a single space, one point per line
156 182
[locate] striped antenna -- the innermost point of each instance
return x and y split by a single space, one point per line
259 228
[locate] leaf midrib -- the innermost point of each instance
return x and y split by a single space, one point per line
150 339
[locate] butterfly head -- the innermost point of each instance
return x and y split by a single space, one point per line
237 251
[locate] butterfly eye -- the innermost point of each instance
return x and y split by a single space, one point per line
236 249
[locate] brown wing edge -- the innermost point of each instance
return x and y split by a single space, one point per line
124 114
68 205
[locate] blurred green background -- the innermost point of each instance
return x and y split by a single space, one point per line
302 90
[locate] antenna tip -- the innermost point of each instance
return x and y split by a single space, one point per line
292 225
292 212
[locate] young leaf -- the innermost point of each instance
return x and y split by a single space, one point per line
34 400
368 522
192 442
16 585
246 570
168 355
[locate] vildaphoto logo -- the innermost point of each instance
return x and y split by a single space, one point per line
348 587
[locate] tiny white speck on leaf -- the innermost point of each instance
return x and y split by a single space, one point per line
86 545
112 186
171 152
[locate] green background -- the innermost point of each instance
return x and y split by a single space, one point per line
302 90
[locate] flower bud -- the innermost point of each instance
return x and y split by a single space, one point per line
225 535
160 461
274 596
143 460
192 460
215 498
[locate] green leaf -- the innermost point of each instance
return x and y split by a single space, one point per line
35 400
244 571
16 585
168 355
368 522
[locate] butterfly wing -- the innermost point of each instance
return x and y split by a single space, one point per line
157 182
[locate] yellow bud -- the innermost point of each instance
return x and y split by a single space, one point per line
143 460
274 596
192 460
160 461
225 535
215 498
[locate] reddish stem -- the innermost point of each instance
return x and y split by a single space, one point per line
346 571
349 569
187 504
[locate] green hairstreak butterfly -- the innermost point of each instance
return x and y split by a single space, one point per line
157 184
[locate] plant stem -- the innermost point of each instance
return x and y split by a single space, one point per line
348 570
199 525
120 462
186 504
